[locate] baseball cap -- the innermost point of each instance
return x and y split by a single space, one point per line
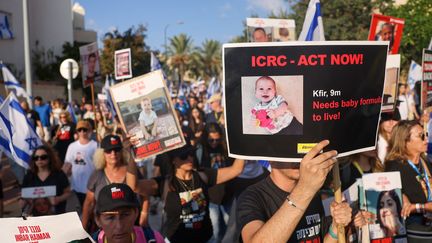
114 196
111 142
83 124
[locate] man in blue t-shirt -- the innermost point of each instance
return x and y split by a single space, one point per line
44 111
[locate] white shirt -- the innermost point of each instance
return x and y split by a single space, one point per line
80 156
406 102
147 119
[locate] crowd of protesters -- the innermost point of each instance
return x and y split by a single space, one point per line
198 191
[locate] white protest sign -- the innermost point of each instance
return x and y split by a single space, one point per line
45 229
38 192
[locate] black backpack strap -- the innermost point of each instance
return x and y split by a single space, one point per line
149 235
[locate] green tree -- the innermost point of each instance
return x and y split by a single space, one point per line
179 50
207 60
417 31
133 38
342 20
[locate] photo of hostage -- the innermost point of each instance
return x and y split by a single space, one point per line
389 214
271 112
148 119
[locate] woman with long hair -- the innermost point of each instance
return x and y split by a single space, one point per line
387 122
185 194
407 146
111 167
45 170
196 123
63 134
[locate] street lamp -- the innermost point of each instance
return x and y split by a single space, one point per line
165 36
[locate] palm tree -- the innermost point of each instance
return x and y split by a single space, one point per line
208 59
179 54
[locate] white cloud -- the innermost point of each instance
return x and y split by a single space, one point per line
224 9
268 5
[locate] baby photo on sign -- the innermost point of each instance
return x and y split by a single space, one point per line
272 105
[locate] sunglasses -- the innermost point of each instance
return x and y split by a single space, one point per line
41 157
186 155
108 151
212 140
82 130
423 136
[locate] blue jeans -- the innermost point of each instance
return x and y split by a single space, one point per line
219 219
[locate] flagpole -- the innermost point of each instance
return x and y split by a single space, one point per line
28 72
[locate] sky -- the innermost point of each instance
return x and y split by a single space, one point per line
201 19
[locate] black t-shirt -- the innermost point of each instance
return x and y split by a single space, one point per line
33 117
410 185
261 201
186 208
56 178
216 158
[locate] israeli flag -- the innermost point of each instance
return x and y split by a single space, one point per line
72 113
154 63
12 84
105 91
313 29
214 87
5 30
414 74
4 144
17 131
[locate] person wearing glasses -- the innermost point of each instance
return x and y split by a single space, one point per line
45 170
79 160
184 194
212 153
407 146
110 161
63 134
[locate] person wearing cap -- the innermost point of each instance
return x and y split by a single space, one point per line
79 160
110 161
185 194
117 208
216 110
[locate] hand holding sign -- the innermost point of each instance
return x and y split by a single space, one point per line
314 166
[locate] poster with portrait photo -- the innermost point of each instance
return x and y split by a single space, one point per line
123 64
103 104
311 91
391 83
145 111
383 197
426 93
387 28
90 64
270 30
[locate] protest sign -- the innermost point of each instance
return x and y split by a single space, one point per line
317 90
391 83
426 94
44 229
123 64
90 64
38 192
387 28
145 110
384 199
103 104
268 30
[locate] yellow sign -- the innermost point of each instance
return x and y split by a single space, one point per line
303 148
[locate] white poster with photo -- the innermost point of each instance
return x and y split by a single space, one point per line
145 110
123 64
383 194
38 192
391 83
90 64
44 229
268 30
